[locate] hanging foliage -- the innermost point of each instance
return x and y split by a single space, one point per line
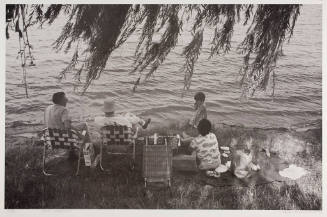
104 28
17 16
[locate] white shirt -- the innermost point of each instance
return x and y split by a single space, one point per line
55 116
119 120
242 163
127 119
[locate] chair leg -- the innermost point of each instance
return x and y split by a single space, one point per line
43 164
79 161
134 151
101 155
133 158
132 165
169 188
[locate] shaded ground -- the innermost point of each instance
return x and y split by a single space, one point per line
26 187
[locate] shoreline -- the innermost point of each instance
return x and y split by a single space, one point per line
20 128
287 142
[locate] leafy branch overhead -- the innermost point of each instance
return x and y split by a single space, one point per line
104 28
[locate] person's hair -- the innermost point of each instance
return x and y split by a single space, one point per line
200 96
204 127
57 97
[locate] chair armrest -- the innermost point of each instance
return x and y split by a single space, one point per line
135 134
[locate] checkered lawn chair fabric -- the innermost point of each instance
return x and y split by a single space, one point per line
118 140
116 135
60 139
57 138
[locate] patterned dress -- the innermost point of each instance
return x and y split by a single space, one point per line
207 151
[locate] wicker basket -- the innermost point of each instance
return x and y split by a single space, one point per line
157 163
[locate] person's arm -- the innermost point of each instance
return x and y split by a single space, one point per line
191 121
66 119
216 141
193 145
202 114
186 138
68 124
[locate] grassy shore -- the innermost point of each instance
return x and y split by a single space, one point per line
26 187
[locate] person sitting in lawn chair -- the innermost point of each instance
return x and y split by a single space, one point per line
110 118
126 119
56 116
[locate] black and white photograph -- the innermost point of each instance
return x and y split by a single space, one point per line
166 106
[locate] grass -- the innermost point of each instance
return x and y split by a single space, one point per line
26 187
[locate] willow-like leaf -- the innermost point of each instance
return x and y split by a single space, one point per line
157 52
270 27
191 53
151 12
169 38
71 66
135 16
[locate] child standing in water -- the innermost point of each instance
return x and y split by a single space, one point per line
199 114
200 109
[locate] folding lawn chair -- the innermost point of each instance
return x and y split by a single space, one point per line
118 140
157 159
56 139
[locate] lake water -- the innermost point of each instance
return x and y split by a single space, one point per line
297 101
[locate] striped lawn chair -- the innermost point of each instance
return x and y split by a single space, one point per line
55 139
157 158
118 140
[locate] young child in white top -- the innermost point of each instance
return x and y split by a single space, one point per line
200 109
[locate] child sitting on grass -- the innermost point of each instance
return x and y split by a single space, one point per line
206 148
243 158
